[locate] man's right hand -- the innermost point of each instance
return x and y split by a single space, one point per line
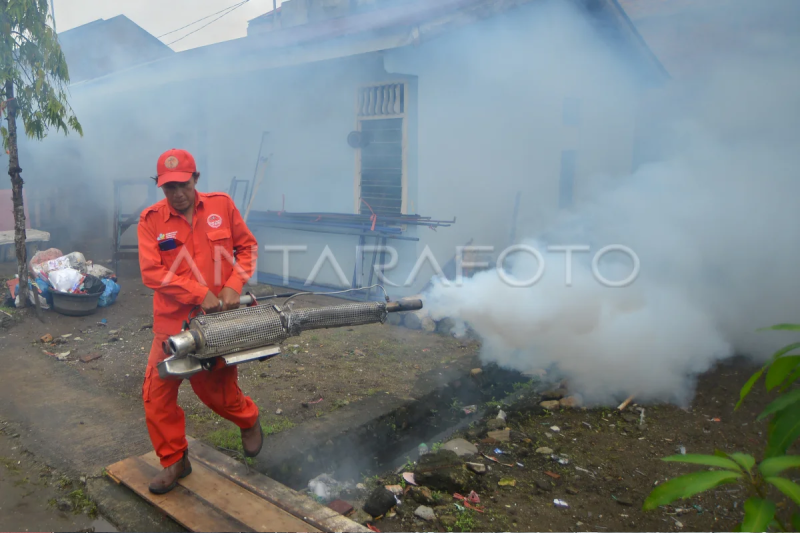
211 303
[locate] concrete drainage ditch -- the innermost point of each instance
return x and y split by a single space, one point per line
379 434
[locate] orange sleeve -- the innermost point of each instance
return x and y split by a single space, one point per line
245 249
154 274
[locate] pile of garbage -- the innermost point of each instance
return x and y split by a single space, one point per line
53 271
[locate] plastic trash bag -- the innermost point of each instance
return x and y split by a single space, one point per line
32 289
101 272
93 285
110 294
65 280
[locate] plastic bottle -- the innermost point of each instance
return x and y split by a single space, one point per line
423 449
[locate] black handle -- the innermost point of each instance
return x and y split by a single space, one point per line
404 305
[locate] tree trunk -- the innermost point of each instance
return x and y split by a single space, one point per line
16 195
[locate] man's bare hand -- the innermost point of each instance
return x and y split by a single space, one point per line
211 303
229 299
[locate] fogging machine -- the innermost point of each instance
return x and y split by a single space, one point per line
255 332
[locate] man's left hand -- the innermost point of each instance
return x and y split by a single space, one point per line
229 299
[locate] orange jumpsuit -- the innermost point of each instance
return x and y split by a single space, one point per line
182 262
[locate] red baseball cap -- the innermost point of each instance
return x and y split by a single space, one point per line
175 166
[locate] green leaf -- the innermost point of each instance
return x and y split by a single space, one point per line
748 387
786 349
790 381
796 521
781 327
775 465
784 429
780 369
789 488
707 460
758 514
781 403
747 462
687 486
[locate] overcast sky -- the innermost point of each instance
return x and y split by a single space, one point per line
161 16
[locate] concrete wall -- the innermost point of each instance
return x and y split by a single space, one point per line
485 122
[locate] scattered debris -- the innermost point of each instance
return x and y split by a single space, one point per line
472 497
46 338
555 429
409 477
341 507
379 502
91 357
66 336
397 490
561 504
501 415
572 490
468 410
306 404
279 411
326 487
552 474
478 468
476 372
627 402
507 482
544 451
63 356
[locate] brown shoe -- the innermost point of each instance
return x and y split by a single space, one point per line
168 478
253 439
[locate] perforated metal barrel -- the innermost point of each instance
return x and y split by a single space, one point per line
241 329
259 326
335 316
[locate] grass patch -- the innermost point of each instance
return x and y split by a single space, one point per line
82 503
9 464
465 521
231 438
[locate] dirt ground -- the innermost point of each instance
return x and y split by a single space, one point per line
612 464
35 497
317 373
612 459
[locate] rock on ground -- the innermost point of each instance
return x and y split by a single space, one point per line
444 471
551 405
422 495
426 513
461 447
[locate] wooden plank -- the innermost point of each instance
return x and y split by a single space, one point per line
179 504
234 500
291 501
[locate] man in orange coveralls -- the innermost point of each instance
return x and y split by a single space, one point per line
187 245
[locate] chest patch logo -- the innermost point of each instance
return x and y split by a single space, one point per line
170 235
214 221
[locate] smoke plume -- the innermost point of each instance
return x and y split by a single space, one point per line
713 222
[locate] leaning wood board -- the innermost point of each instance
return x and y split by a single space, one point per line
222 494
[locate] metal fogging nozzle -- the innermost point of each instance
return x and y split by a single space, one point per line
182 344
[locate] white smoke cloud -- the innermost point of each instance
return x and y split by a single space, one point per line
714 224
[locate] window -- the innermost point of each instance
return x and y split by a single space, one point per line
566 183
381 159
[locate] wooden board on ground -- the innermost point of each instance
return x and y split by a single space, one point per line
222 494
